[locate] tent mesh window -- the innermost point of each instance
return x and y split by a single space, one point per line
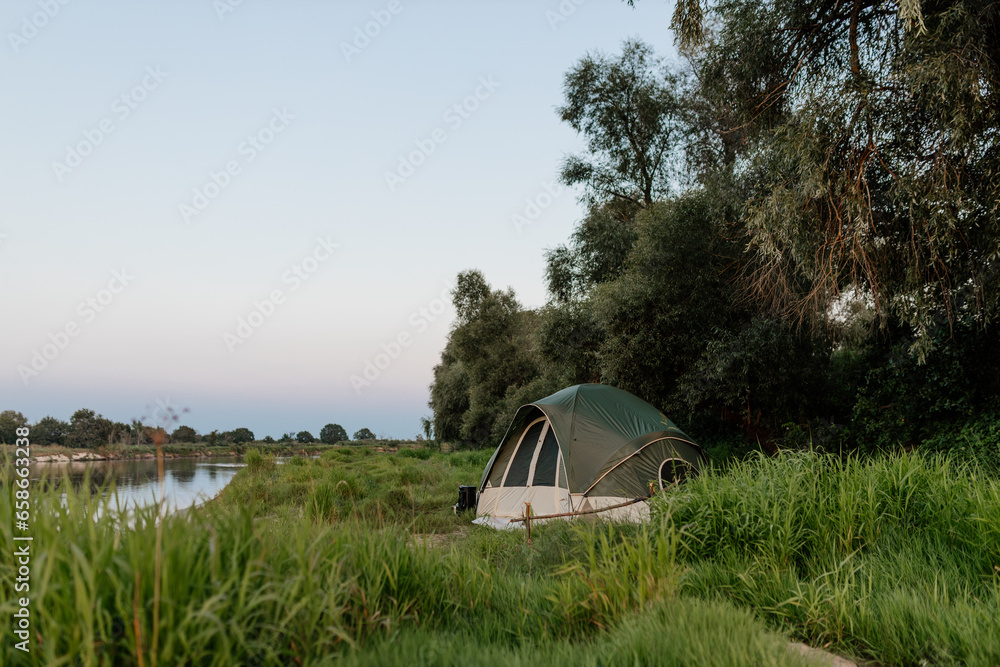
674 471
521 465
503 457
548 458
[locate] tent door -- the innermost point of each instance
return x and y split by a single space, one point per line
535 473
531 474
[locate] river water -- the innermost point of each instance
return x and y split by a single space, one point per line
186 482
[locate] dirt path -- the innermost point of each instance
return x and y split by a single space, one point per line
821 658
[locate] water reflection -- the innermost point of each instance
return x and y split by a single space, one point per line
186 482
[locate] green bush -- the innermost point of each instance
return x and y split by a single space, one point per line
257 462
976 441
906 399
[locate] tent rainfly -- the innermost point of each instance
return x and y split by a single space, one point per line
586 447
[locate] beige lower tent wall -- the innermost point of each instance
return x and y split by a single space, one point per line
508 503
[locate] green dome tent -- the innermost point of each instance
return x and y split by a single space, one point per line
585 447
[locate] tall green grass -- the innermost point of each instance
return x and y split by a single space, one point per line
238 591
413 487
895 559
675 633
317 561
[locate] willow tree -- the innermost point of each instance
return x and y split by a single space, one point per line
870 143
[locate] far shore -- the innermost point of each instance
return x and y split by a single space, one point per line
60 454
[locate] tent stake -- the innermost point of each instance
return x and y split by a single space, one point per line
527 520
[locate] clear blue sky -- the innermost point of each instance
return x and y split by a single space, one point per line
169 168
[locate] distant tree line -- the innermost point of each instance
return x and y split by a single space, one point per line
89 430
790 237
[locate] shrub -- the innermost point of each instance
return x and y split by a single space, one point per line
258 462
976 441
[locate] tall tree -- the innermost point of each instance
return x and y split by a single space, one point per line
331 434
489 353
10 421
628 111
49 431
184 434
364 434
88 429
676 293
449 399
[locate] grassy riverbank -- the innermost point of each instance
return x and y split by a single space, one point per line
896 561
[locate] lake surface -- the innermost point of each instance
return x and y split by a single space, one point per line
186 482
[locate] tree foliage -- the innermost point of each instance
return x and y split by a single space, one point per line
49 431
794 232
676 292
488 351
184 434
88 430
364 434
331 434
871 152
628 111
10 421
239 436
596 254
